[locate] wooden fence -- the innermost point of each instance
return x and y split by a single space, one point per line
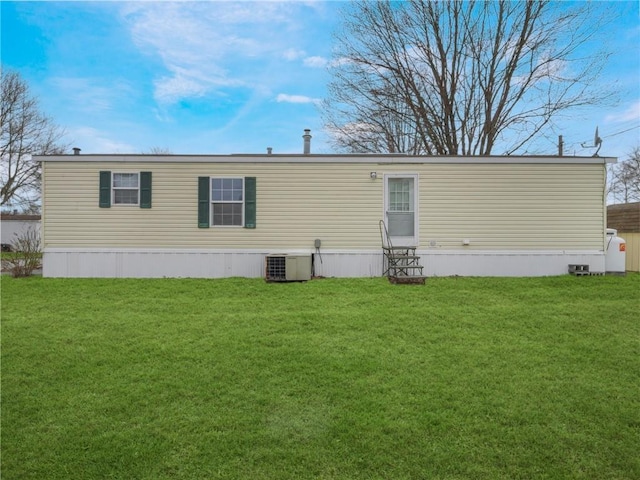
632 259
625 218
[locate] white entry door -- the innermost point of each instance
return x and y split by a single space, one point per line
401 208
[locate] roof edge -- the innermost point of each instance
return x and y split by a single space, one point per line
319 158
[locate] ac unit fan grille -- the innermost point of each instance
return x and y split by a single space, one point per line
276 268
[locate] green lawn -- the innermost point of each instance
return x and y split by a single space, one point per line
462 378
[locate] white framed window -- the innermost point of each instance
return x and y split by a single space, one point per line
401 194
125 189
227 202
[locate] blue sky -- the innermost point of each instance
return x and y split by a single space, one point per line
229 77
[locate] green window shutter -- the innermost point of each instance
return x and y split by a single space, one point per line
250 202
105 189
204 188
145 189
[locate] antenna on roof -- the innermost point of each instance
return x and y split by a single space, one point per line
597 143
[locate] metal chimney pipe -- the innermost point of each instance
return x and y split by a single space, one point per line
76 151
560 146
269 150
307 141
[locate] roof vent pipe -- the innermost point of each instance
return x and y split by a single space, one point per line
307 141
269 150
76 151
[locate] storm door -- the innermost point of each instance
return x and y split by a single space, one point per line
401 208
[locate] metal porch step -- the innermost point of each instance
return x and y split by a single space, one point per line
408 279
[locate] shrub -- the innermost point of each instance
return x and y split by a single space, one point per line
28 256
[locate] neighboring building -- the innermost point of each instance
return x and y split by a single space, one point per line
220 215
625 218
13 225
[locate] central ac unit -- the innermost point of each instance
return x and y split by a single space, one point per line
288 268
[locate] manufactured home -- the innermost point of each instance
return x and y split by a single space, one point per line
226 215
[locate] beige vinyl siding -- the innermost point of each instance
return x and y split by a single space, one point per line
521 206
294 207
496 206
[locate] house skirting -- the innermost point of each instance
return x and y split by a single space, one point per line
199 263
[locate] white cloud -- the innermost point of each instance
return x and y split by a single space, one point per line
293 54
283 97
631 113
92 140
206 46
87 94
187 84
315 62
340 61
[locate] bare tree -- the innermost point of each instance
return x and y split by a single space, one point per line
624 181
459 78
158 151
25 132
374 130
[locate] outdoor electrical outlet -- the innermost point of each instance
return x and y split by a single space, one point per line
317 243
